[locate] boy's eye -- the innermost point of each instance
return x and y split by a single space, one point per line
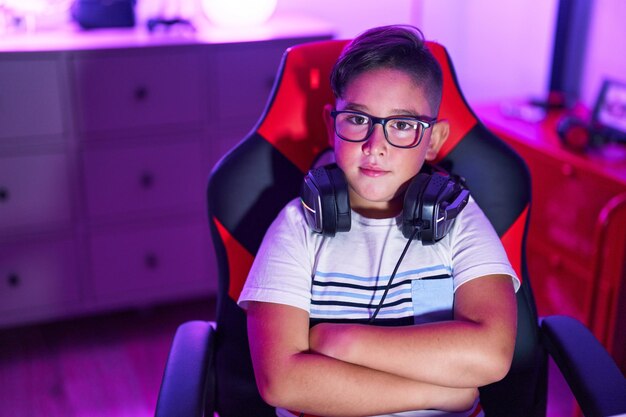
403 125
358 119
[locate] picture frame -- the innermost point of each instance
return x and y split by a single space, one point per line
609 114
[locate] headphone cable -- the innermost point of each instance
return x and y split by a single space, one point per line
393 275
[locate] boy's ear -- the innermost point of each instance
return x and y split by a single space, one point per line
438 137
328 121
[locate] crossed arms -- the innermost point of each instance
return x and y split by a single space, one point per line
357 370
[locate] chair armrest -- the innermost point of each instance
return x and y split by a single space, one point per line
595 380
189 379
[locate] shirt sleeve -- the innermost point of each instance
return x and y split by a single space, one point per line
282 269
476 248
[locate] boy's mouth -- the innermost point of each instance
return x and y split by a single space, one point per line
372 171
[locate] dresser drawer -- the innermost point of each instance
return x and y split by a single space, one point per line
156 178
145 264
138 89
34 190
30 102
566 204
38 274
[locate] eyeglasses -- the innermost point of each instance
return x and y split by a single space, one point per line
400 131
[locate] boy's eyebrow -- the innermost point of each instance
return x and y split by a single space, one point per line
355 106
405 112
394 112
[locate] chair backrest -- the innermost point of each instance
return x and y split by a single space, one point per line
261 174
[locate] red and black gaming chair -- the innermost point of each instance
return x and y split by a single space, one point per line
209 369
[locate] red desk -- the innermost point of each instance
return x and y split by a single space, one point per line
576 246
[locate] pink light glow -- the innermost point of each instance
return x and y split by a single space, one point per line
238 12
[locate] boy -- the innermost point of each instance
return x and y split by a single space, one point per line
448 322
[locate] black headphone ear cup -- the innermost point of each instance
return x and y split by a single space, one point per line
341 198
574 133
431 204
412 209
325 200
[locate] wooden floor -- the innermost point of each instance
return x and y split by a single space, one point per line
101 366
110 366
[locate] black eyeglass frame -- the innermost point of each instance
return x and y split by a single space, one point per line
426 124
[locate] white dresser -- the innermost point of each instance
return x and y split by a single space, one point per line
107 139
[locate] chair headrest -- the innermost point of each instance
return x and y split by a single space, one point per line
302 88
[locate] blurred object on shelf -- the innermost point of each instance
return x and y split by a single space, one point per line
556 100
525 111
94 14
167 25
17 16
170 15
610 110
607 124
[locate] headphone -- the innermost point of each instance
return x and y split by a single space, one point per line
578 135
431 203
574 133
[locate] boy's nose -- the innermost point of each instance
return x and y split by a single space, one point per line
376 144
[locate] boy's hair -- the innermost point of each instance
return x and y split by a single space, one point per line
398 46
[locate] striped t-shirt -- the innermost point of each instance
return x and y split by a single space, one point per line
343 278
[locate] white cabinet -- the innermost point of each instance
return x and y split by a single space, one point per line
30 99
38 195
149 263
105 154
155 178
132 90
39 277
35 191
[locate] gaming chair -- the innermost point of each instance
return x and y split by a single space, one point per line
209 369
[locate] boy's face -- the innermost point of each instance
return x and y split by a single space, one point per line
377 172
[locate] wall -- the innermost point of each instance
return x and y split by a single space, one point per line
501 50
351 17
605 57
504 49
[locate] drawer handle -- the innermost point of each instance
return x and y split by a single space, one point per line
146 180
151 260
13 280
141 93
4 195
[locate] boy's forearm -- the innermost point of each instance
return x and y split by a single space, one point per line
321 385
448 354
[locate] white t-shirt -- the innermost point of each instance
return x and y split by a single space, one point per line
344 277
